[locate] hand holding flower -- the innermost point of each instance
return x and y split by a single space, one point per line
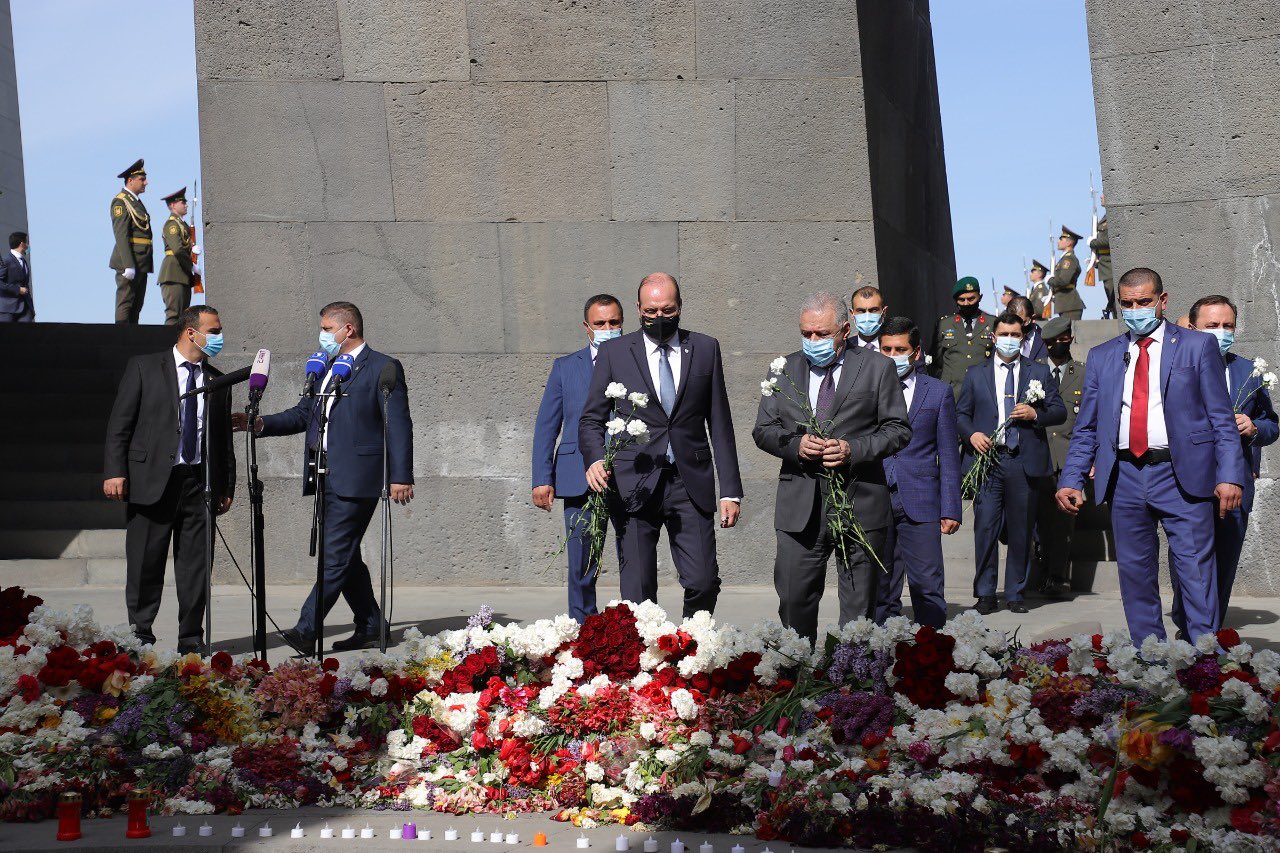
811 448
1023 412
980 442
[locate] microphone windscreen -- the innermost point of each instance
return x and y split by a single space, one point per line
387 378
317 364
260 370
342 368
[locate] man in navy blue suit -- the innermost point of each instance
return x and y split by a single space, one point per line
667 481
995 392
924 484
352 444
1154 462
1257 425
1033 346
16 305
558 472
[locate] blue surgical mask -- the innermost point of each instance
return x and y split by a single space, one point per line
1141 321
329 343
212 345
903 364
1226 337
1008 346
868 324
599 336
820 352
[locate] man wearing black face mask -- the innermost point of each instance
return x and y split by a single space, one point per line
1053 527
962 339
668 480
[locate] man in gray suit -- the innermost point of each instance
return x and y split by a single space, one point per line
856 395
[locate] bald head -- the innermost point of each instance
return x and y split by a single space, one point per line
658 288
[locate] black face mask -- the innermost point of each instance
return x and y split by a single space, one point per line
660 328
1059 351
967 311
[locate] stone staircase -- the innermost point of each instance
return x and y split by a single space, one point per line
56 529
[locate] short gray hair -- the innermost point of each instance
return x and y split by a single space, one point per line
823 301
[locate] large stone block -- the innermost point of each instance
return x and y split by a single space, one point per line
294 152
267 40
520 151
743 282
1135 26
422 287
550 269
1190 124
760 38
1257 573
672 148
404 40
604 40
801 151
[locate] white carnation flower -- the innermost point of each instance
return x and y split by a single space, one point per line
778 365
768 387
637 428
615 426
638 399
615 391
1035 391
1260 366
1269 380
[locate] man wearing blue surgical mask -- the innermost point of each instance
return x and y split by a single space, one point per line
868 312
924 485
155 462
1257 426
558 472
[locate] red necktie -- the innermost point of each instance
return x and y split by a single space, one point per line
1138 404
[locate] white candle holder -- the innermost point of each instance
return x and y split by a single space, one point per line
451 834
265 831
205 830
395 833
367 832
179 831
237 831
477 836
705 847
326 832
583 842
348 832
651 845
512 838
495 837
297 832
622 844
677 846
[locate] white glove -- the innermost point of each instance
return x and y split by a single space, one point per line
129 274
195 250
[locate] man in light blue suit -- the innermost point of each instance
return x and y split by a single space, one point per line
1255 422
558 472
924 485
1155 463
995 392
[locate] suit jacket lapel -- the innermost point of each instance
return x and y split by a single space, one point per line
686 364
642 362
854 359
989 381
1169 352
1024 377
917 398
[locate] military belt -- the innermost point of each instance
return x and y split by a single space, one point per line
169 252
1103 252
146 241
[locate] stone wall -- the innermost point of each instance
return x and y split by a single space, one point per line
469 171
13 184
1187 97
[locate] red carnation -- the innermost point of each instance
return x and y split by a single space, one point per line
28 688
221 662
1228 637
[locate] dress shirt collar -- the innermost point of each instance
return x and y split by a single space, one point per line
18 255
179 359
1156 335
355 353
908 381
650 347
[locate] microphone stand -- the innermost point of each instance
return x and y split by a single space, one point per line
257 523
386 527
317 512
209 516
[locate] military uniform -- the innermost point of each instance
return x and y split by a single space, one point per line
1054 528
1066 299
1039 293
175 269
132 226
1101 246
958 344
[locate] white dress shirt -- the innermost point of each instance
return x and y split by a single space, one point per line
179 359
1157 433
1000 373
328 405
816 375
909 388
873 344
20 258
654 358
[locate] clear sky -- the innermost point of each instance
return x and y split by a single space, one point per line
99 88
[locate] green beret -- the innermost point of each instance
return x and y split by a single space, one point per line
968 284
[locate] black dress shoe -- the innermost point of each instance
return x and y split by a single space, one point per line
986 605
1017 607
300 642
358 640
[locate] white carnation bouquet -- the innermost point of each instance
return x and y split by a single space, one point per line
1266 382
987 462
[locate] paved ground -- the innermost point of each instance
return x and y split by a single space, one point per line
438 609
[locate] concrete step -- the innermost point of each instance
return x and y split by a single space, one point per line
56 402
69 572
53 485
69 456
62 515
54 544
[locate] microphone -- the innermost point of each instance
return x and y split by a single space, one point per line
387 379
235 377
1126 358
258 375
341 370
317 364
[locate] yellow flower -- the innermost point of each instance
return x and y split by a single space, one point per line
1141 743
104 714
116 683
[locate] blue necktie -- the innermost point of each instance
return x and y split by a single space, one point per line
190 427
1011 435
666 390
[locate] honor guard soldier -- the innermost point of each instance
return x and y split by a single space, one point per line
1054 528
962 339
1039 293
175 269
1066 299
131 258
1101 246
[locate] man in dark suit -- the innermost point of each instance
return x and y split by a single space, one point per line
668 481
1257 425
155 461
558 472
995 392
1055 529
856 395
16 305
1032 340
352 446
1154 462
924 484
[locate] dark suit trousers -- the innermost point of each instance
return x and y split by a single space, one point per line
582 589
129 296
800 575
912 553
178 517
1007 501
345 574
1054 530
691 533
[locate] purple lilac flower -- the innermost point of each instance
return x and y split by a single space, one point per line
483 619
1177 738
854 715
1105 700
1046 656
860 665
